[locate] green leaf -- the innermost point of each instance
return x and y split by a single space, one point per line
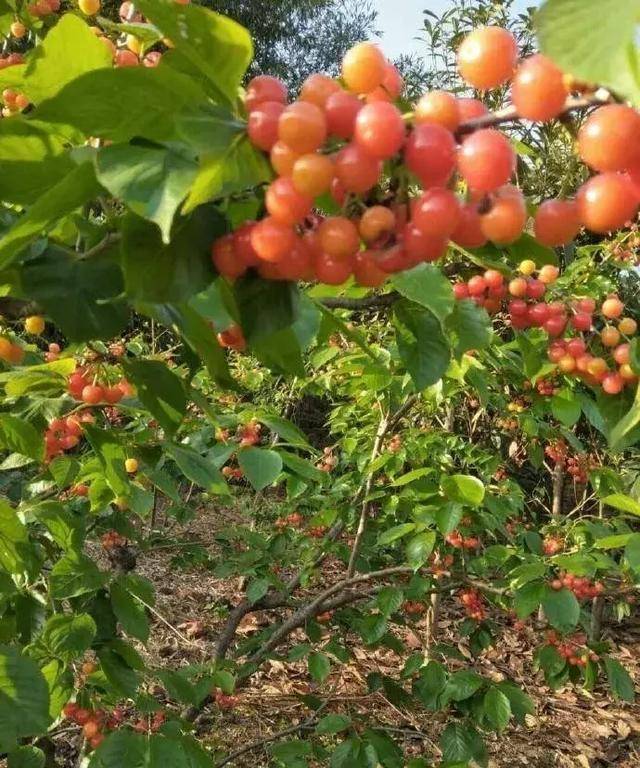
527 247
521 705
333 724
427 286
394 533
112 457
26 757
561 608
118 672
527 599
215 45
462 685
620 681
464 489
387 751
623 503
389 599
593 40
72 191
632 552
46 379
198 469
17 553
20 436
469 327
430 684
285 430
301 467
24 698
130 612
422 346
566 408
497 709
460 742
150 181
260 466
319 666
64 470
419 548
257 589
75 574
160 390
60 682
68 637
97 311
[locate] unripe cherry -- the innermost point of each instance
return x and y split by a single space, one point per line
338 237
612 308
312 174
363 68
317 88
375 222
518 287
302 126
610 336
627 326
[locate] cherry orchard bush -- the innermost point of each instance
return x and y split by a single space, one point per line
248 228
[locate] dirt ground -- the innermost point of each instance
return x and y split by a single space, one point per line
570 729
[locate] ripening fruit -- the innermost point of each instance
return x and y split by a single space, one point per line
548 274
598 367
356 170
380 129
264 88
612 308
627 326
608 141
244 250
506 219
317 88
527 267
131 466
486 160
567 364
538 92
556 222
34 325
468 233
341 111
487 57
225 258
436 212
262 125
471 109
430 153
298 263
493 278
302 126
338 237
613 383
375 222
285 203
282 158
363 68
92 394
312 174
606 202
476 285
627 373
610 336
89 7
125 58
332 271
421 247
391 86
272 240
622 354
439 107
18 29
518 287
366 270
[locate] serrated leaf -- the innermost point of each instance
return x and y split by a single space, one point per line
561 608
160 390
497 709
261 466
319 666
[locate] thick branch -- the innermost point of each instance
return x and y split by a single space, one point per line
367 302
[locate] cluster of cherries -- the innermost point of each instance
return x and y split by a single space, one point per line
130 53
547 386
94 723
572 648
552 545
414 607
487 290
458 541
64 434
82 385
113 540
473 603
317 531
582 587
394 444
328 461
249 434
439 564
225 700
294 520
578 465
232 473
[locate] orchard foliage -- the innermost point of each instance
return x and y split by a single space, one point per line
184 253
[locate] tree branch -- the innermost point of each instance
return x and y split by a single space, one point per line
367 302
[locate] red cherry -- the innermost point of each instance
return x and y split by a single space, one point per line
430 153
486 160
380 129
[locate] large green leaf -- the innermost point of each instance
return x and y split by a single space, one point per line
112 457
594 40
130 612
75 574
620 681
215 45
60 682
174 272
68 636
419 548
45 379
160 390
469 327
150 181
623 502
196 468
422 346
465 489
624 432
261 466
17 553
73 190
566 408
427 286
97 310
32 160
122 103
18 435
319 666
388 753
24 698
26 757
561 608
460 742
497 708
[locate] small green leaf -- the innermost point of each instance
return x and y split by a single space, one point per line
423 348
257 589
198 469
394 533
620 681
333 724
566 408
18 435
497 709
427 286
419 547
464 489
319 666
26 757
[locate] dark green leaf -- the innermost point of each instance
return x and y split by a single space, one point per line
319 666
561 608
261 466
469 327
427 286
620 681
24 698
20 436
160 390
497 709
422 346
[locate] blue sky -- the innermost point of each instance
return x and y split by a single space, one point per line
400 20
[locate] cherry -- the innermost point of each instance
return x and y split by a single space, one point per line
461 291
610 336
505 220
363 68
332 271
272 240
312 174
225 258
436 213
535 289
606 202
419 246
548 274
356 170
338 237
468 233
341 110
556 223
487 57
518 287
285 203
608 140
439 107
126 58
612 308
622 354
375 222
282 158
486 160
262 126
538 92
477 285
317 89
302 126
471 109
555 325
430 153
92 394
613 383
581 321
627 326
367 271
298 263
380 129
